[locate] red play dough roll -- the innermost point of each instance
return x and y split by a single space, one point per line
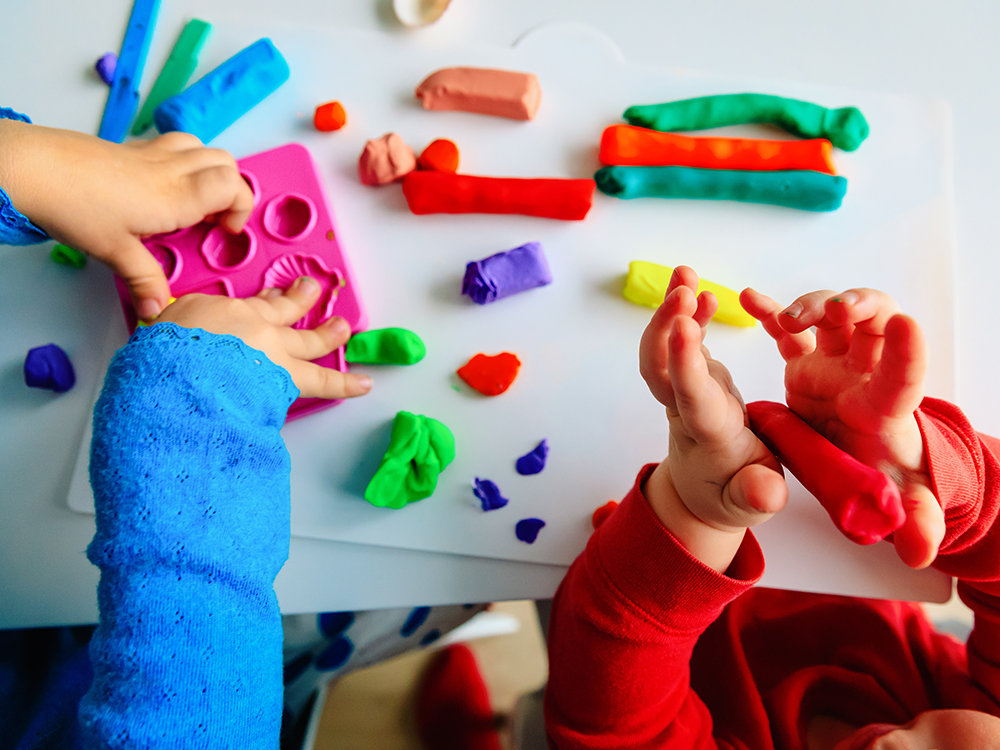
550 198
863 502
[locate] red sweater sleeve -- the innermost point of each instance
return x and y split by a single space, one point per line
624 623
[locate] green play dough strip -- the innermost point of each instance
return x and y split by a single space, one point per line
176 71
810 191
385 346
419 449
845 128
68 256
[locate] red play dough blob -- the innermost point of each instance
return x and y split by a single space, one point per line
491 376
440 156
601 514
329 116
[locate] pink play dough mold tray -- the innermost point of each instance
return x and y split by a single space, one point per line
290 233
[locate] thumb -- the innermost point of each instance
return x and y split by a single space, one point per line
918 539
756 492
144 277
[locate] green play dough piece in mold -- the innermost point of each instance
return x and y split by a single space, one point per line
845 128
68 256
419 449
810 191
385 346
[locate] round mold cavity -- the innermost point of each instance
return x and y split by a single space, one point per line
168 257
228 252
251 179
289 217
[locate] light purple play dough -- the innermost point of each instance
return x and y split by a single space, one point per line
506 273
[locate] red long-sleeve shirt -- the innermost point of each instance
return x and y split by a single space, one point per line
649 648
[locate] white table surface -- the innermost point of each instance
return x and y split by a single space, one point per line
922 49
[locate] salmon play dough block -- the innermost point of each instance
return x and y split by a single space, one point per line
646 284
486 91
491 376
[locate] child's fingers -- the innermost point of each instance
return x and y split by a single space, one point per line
699 399
219 189
755 493
308 344
865 312
897 383
144 277
766 310
708 304
805 311
682 276
174 141
918 539
654 353
288 307
314 381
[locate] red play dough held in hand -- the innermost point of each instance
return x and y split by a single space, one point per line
491 376
863 502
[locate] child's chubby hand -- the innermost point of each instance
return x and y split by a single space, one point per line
102 198
718 478
262 322
858 380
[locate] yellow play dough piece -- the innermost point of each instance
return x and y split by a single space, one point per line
143 323
646 284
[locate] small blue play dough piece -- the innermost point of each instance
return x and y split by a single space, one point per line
503 274
488 494
123 98
105 67
533 462
221 97
49 367
527 529
809 191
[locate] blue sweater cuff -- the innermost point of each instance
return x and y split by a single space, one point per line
15 227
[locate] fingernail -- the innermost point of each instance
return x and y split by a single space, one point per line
364 383
308 285
793 310
271 293
339 325
848 298
149 309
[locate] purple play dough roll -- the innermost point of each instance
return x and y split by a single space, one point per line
506 273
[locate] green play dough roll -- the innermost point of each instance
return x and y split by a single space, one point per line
385 346
811 191
845 128
419 449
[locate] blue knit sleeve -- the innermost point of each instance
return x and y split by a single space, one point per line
15 227
191 486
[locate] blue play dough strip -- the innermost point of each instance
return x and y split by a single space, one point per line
221 97
533 462
123 98
809 191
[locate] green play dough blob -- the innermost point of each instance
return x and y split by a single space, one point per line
385 346
419 449
68 256
811 191
845 128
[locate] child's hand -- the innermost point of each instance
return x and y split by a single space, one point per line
262 323
101 197
857 381
718 478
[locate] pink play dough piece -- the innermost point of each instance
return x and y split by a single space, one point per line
502 93
386 160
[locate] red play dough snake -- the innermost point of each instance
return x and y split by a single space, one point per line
863 502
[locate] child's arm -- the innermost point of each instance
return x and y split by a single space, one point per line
101 197
191 487
661 568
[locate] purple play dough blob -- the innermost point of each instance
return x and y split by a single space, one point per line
49 367
527 529
105 67
533 462
488 494
506 273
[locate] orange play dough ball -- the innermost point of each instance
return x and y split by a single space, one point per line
329 116
440 156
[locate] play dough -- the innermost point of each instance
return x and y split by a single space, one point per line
503 93
385 160
550 198
533 461
419 449
68 256
632 146
489 494
863 502
527 529
601 514
506 273
329 117
809 191
105 67
846 127
440 156
491 376
385 346
646 284
49 367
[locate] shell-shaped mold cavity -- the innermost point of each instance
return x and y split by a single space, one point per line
286 269
251 179
228 252
289 217
169 258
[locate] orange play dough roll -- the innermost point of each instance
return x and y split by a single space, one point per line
627 145
502 93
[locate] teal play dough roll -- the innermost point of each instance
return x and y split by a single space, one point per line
845 128
810 191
